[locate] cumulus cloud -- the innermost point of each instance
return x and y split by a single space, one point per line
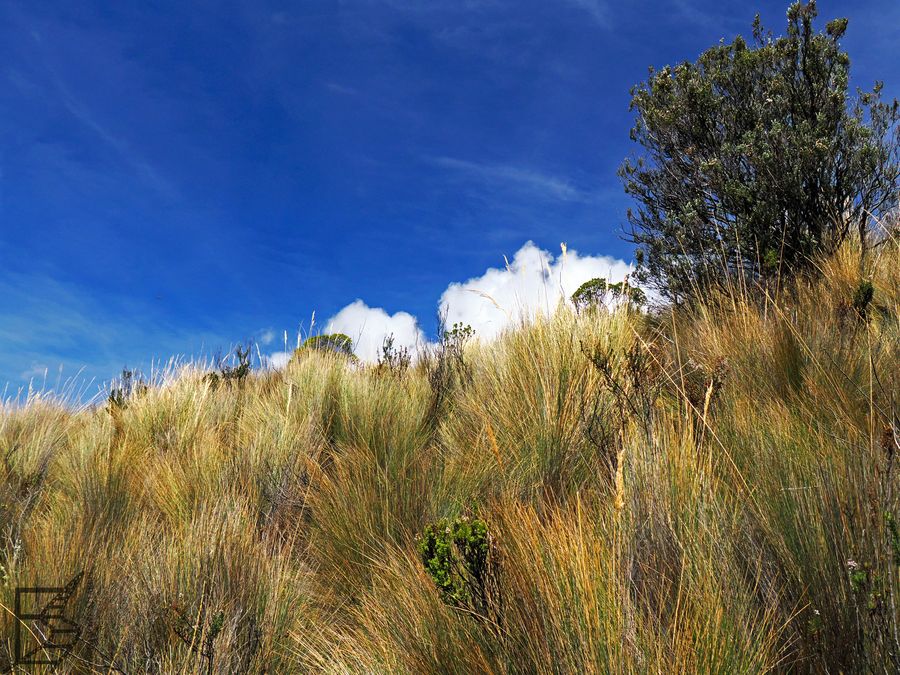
368 326
276 360
534 282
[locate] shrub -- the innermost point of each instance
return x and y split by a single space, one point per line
394 360
754 161
130 384
332 343
457 555
446 366
455 339
598 292
229 372
862 297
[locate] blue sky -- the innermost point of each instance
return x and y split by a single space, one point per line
178 176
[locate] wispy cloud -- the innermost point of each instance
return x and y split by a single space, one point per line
598 10
37 371
125 151
727 22
48 325
141 168
539 183
341 89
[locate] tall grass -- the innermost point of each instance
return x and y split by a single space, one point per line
709 489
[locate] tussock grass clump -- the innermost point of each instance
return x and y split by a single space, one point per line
706 489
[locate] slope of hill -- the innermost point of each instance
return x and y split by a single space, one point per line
707 490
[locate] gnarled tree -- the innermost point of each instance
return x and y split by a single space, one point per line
756 159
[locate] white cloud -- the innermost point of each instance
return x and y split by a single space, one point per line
368 326
37 370
266 337
533 282
497 175
276 360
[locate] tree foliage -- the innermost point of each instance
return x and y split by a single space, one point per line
329 342
756 158
599 292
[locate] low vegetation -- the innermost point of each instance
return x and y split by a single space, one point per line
707 487
712 488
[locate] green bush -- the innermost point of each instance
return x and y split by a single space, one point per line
336 343
129 385
598 292
756 159
457 556
862 297
394 360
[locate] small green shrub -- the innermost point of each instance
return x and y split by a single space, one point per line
199 637
231 372
129 385
895 536
329 343
859 577
447 367
242 369
457 337
457 555
393 360
590 294
862 297
771 262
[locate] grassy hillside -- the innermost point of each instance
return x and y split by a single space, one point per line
713 490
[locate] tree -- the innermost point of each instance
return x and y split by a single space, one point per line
337 343
598 292
756 159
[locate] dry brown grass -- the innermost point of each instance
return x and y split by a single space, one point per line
712 490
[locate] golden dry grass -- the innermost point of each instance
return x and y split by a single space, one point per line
707 490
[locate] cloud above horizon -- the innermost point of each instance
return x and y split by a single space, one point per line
533 282
369 326
503 175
